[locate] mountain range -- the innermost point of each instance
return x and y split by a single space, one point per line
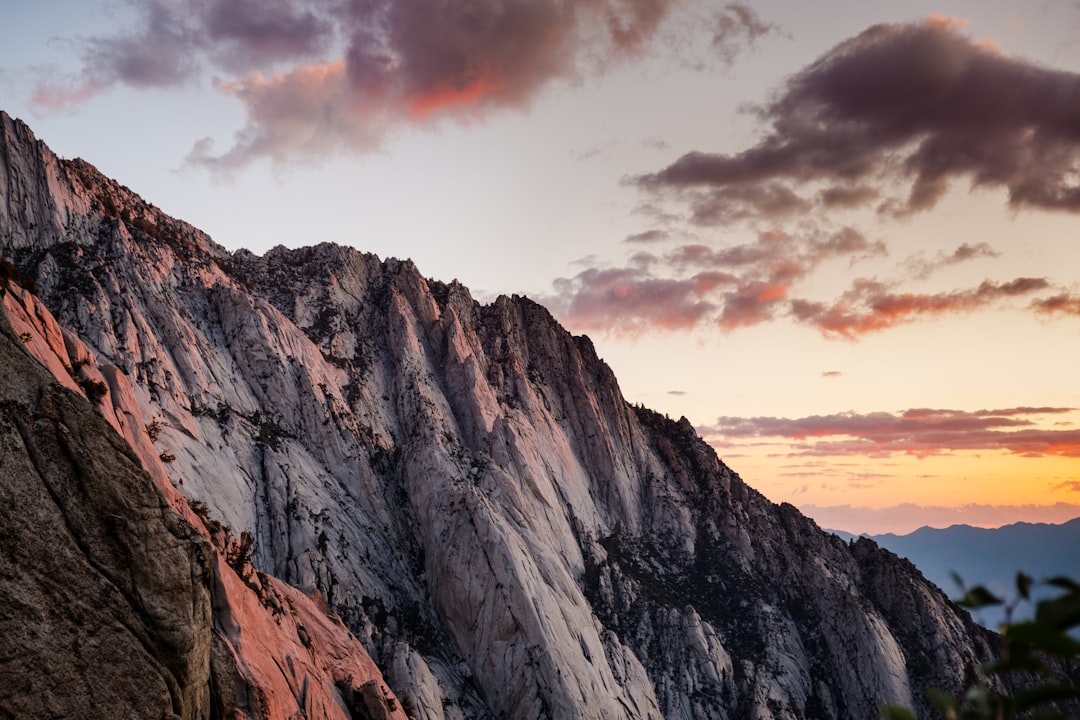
315 483
990 557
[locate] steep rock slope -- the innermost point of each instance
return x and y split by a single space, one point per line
115 603
465 484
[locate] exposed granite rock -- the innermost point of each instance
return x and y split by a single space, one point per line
466 485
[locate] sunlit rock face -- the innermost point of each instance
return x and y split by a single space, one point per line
464 484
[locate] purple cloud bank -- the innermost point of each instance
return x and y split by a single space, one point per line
318 76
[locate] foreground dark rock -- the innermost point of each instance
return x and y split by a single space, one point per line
105 589
465 484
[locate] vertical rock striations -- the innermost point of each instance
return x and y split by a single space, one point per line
464 483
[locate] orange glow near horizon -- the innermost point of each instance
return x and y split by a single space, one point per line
948 479
897 471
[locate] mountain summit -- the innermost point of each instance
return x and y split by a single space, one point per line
464 485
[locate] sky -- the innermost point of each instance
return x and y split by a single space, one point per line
840 237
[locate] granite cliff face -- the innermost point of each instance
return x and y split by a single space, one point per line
464 484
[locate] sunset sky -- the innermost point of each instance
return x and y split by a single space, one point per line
841 237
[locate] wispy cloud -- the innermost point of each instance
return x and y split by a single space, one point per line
871 306
756 282
648 236
922 267
920 431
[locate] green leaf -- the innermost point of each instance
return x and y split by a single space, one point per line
1042 637
898 712
1043 694
1062 613
1024 662
978 597
942 702
1023 585
1065 583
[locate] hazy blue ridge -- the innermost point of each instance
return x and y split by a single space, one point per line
989 557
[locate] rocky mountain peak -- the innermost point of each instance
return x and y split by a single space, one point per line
464 484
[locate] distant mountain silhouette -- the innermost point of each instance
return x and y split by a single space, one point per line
989 557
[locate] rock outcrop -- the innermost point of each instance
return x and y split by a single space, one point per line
464 484
120 598
106 591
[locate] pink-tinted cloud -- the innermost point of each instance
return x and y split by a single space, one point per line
1061 304
752 283
871 306
900 107
629 301
396 61
920 432
728 288
281 124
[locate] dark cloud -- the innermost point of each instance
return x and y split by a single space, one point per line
777 255
901 110
872 306
316 76
173 42
847 197
730 204
831 374
1061 304
242 35
922 268
734 25
648 236
654 143
919 432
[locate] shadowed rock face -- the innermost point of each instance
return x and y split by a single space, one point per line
105 590
465 484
